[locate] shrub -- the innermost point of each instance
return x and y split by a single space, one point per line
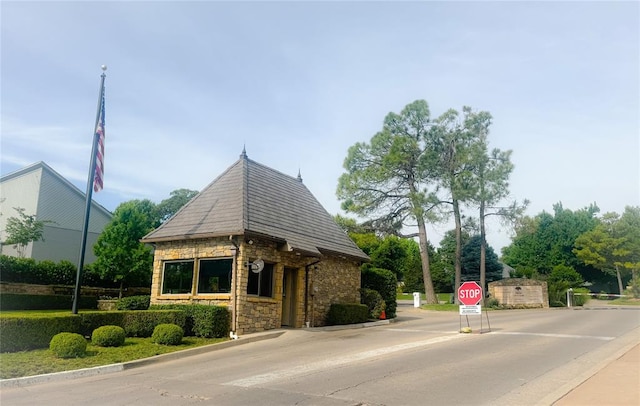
492 303
203 320
21 270
28 333
68 345
347 314
108 336
95 319
67 272
18 301
27 270
374 302
19 333
563 273
580 296
385 283
167 334
134 303
633 288
142 324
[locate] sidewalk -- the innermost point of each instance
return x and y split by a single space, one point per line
616 384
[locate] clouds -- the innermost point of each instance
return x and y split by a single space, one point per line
189 84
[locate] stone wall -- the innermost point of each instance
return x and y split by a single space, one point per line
520 293
332 279
336 280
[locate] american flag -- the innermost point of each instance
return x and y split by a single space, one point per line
99 175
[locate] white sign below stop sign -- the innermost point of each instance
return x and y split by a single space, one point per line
470 293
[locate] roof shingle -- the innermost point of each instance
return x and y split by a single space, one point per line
250 198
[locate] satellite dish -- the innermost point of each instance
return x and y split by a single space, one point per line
257 266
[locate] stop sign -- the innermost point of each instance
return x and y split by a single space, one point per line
469 293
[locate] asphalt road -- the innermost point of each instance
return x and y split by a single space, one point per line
529 357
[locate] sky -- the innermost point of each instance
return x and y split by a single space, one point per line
190 84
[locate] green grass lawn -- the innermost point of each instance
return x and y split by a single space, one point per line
446 307
442 297
38 313
35 362
626 301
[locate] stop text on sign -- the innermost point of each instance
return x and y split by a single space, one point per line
469 293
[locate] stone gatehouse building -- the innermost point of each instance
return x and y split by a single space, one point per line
256 240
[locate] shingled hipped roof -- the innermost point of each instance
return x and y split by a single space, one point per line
252 199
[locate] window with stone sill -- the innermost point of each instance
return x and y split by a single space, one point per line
177 277
261 283
214 275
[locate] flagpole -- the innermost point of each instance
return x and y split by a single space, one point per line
89 195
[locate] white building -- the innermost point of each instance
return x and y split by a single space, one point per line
40 190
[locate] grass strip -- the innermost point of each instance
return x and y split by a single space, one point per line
36 362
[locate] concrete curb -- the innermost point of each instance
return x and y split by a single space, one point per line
350 326
106 369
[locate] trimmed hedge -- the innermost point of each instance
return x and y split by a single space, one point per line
94 319
374 302
386 283
27 270
27 333
16 301
140 302
142 323
203 320
349 313
20 333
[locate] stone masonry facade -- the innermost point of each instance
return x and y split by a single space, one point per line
519 293
319 282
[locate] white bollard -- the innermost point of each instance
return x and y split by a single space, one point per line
416 299
569 297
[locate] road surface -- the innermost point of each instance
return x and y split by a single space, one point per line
529 357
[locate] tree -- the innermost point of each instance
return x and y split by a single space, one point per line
453 141
24 229
388 179
121 257
612 246
491 184
629 227
390 255
472 262
413 275
559 281
448 251
168 207
547 240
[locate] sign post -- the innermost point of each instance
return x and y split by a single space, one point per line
469 295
